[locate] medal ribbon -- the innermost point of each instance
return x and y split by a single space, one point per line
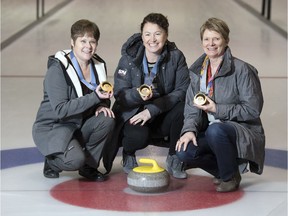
149 77
92 85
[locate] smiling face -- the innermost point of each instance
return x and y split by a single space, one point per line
213 44
84 47
154 38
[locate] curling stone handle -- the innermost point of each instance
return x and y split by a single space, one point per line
150 161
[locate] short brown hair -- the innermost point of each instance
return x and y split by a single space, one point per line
217 25
83 26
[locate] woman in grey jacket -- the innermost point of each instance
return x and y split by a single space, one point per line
149 58
223 129
74 122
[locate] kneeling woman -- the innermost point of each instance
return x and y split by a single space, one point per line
74 122
226 131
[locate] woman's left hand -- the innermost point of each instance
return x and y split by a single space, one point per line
141 117
106 111
208 107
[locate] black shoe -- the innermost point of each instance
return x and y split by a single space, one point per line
48 172
92 174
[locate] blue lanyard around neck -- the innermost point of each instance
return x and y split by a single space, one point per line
149 76
92 85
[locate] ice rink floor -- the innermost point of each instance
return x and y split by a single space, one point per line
24 190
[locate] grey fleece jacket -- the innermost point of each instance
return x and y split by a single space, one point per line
239 101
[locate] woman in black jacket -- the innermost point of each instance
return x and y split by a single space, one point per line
149 58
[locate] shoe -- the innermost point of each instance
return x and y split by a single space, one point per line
129 163
229 186
217 181
48 172
92 174
175 167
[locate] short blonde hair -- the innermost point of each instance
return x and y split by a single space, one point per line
217 25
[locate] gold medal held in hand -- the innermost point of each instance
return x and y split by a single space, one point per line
106 86
200 99
144 90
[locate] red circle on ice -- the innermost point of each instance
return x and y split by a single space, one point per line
196 192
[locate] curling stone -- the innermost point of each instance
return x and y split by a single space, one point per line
144 90
106 86
200 99
148 179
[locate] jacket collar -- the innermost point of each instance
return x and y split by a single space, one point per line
98 63
226 65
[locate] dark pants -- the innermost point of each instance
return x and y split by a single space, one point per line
86 146
168 124
216 152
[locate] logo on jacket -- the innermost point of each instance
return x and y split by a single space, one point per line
122 72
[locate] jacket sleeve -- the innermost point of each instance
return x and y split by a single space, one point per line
250 96
59 91
195 120
180 85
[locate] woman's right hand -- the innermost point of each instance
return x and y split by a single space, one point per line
182 143
102 94
146 97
